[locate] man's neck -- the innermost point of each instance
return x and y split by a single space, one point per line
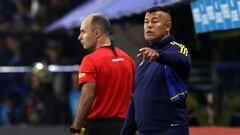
166 36
160 38
103 41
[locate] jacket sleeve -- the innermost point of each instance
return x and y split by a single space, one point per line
176 57
129 127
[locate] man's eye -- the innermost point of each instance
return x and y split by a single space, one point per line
154 21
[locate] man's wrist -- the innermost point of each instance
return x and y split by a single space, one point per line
74 130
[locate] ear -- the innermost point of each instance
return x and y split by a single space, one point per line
98 32
168 26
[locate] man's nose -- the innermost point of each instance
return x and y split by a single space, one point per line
149 25
79 37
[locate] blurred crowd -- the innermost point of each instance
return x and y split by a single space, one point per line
32 14
38 97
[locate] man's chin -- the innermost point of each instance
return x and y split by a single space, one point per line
150 39
85 47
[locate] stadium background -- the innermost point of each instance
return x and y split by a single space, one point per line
36 100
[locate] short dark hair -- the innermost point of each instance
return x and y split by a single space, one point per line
102 21
158 8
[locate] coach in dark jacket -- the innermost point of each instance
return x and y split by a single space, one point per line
158 106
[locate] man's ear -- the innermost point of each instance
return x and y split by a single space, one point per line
98 32
168 26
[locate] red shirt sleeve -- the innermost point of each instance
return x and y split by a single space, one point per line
87 71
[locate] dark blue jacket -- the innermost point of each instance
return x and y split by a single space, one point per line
160 94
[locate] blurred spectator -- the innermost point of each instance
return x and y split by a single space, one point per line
3 55
4 23
192 106
58 8
14 48
54 55
74 95
10 109
17 12
13 82
42 18
36 24
210 108
230 111
40 107
200 108
19 23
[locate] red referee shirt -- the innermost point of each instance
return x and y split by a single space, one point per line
114 77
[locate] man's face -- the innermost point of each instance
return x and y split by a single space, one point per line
87 36
157 26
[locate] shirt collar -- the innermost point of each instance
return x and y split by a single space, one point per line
160 43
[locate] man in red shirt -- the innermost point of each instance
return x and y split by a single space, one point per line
106 77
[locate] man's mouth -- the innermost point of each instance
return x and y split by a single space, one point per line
149 32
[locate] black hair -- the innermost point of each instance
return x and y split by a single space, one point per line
158 8
101 21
